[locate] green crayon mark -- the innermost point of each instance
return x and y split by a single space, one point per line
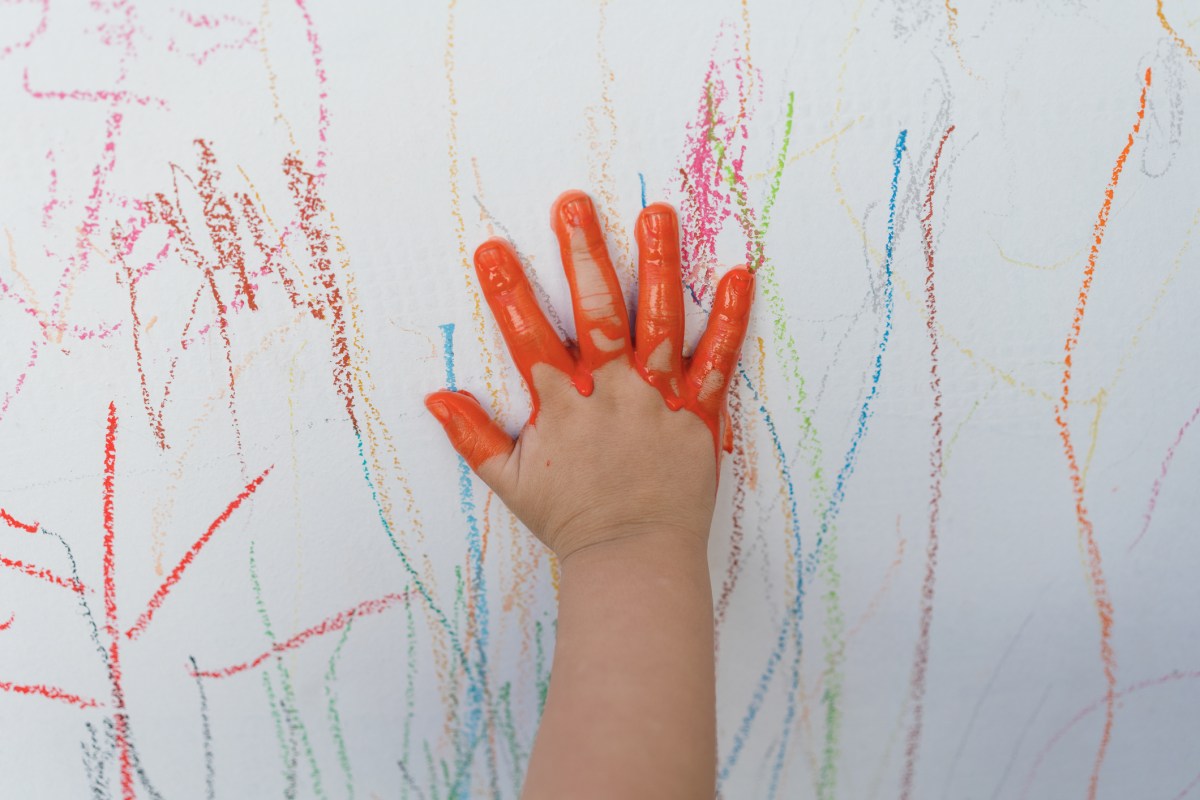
287 702
335 719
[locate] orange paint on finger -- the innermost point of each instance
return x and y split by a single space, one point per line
660 321
472 433
601 320
716 357
529 336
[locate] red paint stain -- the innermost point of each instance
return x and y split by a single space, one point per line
1096 579
173 578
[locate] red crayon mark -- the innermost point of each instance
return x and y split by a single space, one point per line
329 625
155 416
162 210
921 658
303 186
222 225
1162 474
157 600
110 606
254 222
8 622
13 522
1096 579
44 574
50 693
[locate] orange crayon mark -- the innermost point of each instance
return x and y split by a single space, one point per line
1086 531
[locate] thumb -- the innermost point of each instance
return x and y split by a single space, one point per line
478 439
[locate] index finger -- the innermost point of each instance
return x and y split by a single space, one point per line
601 320
530 337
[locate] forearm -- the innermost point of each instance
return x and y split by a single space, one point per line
631 707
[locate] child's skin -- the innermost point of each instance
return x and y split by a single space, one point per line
621 487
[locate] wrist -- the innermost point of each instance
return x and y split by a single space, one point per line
639 545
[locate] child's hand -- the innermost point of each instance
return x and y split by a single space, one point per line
625 437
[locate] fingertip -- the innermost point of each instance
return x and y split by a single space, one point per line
655 220
735 292
572 209
491 250
494 260
435 403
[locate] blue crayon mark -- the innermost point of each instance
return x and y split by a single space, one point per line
796 612
642 180
764 682
448 355
466 495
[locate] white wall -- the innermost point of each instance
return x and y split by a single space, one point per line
404 622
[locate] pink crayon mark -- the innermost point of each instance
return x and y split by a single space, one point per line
204 21
323 96
38 30
114 98
1162 474
41 573
1187 789
8 623
16 390
52 191
110 606
13 522
329 625
921 658
1170 677
712 173
50 693
173 578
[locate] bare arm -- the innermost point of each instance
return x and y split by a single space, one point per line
616 472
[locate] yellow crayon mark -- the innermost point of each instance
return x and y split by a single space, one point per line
456 213
1179 40
601 166
952 35
808 151
1062 262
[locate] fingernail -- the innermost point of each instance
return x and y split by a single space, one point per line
492 266
742 280
656 221
439 409
576 212
489 255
